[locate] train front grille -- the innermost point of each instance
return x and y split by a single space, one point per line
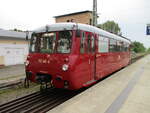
43 78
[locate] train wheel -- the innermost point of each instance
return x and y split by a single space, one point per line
26 83
42 87
45 86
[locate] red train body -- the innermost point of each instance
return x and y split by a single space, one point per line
73 56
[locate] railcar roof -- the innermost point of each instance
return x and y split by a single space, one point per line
75 26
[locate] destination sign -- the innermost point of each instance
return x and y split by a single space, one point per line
148 29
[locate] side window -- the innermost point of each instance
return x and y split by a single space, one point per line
48 42
102 44
120 46
124 46
82 44
127 47
88 43
64 42
32 44
92 44
112 45
38 44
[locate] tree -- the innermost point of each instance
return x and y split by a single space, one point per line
148 50
18 30
110 26
138 47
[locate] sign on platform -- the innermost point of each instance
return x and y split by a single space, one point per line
148 29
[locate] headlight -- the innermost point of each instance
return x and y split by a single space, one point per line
65 67
27 62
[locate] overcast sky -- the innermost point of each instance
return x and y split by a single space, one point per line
131 15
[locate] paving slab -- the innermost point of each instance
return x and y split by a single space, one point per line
126 91
138 100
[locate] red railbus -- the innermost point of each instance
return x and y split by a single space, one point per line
72 56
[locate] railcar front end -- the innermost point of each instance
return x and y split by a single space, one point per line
52 59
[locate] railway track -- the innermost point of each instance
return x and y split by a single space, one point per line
41 102
9 86
137 58
37 102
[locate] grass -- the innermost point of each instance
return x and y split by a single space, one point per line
17 91
18 88
11 77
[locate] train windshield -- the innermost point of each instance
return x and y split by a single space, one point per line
53 42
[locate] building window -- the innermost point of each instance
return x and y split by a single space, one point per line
72 20
90 21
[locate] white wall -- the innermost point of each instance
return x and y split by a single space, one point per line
14 53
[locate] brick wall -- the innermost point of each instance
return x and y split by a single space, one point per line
84 18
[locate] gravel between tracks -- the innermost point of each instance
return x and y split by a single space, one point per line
17 92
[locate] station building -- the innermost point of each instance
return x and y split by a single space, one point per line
13 47
84 17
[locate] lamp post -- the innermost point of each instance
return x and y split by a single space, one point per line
27 35
94 13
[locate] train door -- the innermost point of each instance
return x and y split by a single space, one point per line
84 66
87 55
102 57
91 51
93 57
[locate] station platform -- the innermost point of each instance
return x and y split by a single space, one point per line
126 91
12 74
